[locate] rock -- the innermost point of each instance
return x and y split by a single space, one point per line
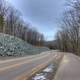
13 46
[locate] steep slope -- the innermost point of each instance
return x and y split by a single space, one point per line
13 46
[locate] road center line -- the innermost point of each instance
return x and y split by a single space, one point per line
18 64
26 75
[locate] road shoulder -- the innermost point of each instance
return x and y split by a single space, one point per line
69 68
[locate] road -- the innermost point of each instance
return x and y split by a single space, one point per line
69 68
17 69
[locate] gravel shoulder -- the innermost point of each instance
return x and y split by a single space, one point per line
69 68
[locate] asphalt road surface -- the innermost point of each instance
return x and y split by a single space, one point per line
17 69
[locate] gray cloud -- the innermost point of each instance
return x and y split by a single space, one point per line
41 13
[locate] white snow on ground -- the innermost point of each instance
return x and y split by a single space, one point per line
43 75
39 77
48 70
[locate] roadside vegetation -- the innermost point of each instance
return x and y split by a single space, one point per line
68 37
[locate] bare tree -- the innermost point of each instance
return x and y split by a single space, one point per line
69 36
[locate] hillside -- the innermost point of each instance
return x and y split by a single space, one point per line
13 46
50 44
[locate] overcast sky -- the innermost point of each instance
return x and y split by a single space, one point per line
42 14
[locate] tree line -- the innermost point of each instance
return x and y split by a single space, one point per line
68 37
11 22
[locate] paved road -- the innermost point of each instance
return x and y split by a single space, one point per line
14 69
69 68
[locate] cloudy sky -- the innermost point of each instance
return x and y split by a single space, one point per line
42 14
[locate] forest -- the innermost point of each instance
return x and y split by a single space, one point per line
68 37
12 23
